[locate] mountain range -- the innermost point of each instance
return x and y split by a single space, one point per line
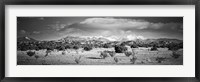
103 39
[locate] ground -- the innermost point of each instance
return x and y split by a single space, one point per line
80 57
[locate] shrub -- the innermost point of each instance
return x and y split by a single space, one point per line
128 53
175 55
107 46
50 49
30 53
37 56
112 53
116 59
75 47
154 48
47 52
120 49
77 59
37 49
64 53
23 48
175 46
160 59
104 55
60 48
68 46
133 59
134 46
87 48
123 44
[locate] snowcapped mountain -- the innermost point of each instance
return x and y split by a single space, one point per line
25 39
101 39
82 38
108 39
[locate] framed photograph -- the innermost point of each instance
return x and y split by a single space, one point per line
57 40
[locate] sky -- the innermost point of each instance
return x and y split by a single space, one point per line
112 28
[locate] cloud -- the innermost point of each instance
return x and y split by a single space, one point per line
57 26
122 23
36 32
22 32
118 28
115 23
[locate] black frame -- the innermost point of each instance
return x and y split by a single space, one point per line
99 2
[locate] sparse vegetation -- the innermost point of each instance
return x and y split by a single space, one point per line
89 51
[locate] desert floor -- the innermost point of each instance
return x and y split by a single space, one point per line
144 57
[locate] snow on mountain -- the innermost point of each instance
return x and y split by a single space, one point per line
26 39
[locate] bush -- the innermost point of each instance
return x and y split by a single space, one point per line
87 48
75 47
47 53
175 46
111 53
160 59
154 48
60 48
68 46
134 46
175 55
129 54
104 54
77 59
23 48
133 59
120 49
107 46
30 53
50 49
64 53
123 44
116 59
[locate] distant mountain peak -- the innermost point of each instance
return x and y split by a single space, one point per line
83 38
26 38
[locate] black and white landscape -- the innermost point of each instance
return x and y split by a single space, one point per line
99 40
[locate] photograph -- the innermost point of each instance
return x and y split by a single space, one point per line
100 40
